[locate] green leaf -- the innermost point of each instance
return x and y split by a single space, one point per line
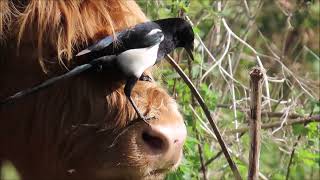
299 129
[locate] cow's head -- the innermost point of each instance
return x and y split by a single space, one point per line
81 127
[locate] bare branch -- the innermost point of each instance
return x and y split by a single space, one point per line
315 118
265 77
263 113
234 107
291 157
218 62
219 153
293 152
202 167
208 115
201 158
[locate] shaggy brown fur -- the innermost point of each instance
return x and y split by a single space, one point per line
70 125
54 30
65 25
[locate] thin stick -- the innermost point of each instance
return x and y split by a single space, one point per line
207 113
243 160
266 81
315 118
255 123
203 167
219 153
293 152
302 120
291 157
263 113
213 158
234 107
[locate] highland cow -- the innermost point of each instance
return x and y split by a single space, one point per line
78 128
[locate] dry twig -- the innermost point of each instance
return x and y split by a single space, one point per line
315 118
208 115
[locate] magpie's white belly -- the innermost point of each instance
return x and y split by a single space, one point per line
134 62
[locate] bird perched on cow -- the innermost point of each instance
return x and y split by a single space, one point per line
140 47
131 51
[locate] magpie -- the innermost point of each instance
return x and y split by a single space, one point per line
140 47
131 51
144 42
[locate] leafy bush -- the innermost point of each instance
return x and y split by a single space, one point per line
281 37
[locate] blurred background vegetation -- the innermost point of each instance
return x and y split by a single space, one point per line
281 36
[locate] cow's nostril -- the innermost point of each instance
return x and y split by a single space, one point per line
154 142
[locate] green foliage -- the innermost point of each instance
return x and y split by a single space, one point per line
299 129
208 94
289 29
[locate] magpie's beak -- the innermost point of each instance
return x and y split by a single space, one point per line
189 50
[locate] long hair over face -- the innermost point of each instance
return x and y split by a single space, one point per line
64 26
54 129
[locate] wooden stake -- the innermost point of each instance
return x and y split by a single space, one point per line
255 122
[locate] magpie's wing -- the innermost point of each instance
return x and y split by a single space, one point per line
142 35
103 43
131 38
97 46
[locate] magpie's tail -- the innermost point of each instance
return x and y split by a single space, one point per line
102 63
76 71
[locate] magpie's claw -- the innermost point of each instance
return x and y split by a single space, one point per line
145 119
145 77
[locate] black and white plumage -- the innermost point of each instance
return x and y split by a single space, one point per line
177 33
132 51
140 47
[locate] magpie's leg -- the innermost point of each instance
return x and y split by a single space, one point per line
145 77
127 90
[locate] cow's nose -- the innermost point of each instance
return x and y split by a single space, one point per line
163 141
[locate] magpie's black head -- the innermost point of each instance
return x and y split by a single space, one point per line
142 36
185 37
180 32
